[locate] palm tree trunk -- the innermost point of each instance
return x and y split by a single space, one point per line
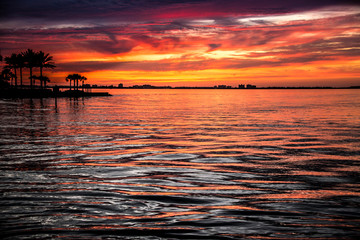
15 77
31 80
41 79
21 83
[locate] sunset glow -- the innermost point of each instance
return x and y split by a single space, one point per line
190 43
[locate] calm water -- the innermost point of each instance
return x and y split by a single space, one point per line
182 164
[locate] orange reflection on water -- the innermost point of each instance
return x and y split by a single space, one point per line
209 187
121 227
233 207
314 173
170 164
305 194
264 181
149 193
159 215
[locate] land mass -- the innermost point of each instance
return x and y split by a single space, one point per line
55 92
47 93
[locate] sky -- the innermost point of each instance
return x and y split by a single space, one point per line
190 43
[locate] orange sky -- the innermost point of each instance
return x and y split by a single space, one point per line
193 44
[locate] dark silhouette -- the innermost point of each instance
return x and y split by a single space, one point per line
5 77
30 62
42 79
43 61
31 59
70 78
83 80
76 78
12 64
20 61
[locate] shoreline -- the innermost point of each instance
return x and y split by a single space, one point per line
54 92
47 93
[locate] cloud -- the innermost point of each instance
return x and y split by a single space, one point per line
209 34
108 47
88 66
336 46
104 11
213 46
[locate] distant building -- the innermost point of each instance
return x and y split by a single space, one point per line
250 86
223 86
120 85
241 86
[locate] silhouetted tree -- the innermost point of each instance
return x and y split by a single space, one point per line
43 61
45 80
30 62
20 61
76 78
42 79
83 79
5 76
69 78
12 64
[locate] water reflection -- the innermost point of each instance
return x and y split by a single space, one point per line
272 164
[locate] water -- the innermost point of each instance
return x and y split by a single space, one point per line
182 164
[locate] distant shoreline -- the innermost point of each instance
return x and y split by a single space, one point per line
168 87
47 93
54 91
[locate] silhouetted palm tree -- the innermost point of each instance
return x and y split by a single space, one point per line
30 62
6 74
83 79
12 64
42 79
76 78
20 61
43 61
69 78
5 77
45 79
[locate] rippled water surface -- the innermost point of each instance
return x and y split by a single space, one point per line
182 164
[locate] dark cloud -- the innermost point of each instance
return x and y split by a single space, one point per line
168 26
163 43
337 46
213 46
133 10
88 66
154 42
112 47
